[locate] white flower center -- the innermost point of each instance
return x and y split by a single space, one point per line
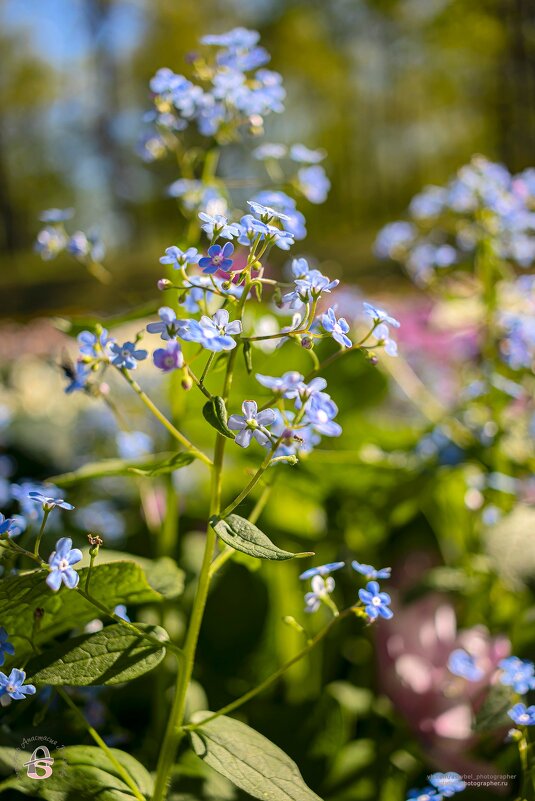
524 717
10 688
376 601
64 564
323 417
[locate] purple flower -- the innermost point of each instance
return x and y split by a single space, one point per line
12 526
48 502
269 151
5 646
127 355
447 784
321 588
320 411
218 258
216 226
251 424
338 328
168 327
178 257
376 603
56 215
384 339
92 344
266 213
313 183
309 287
61 563
213 333
286 386
370 572
50 241
321 570
427 794
77 378
168 358
305 155
13 685
517 673
463 664
379 315
523 715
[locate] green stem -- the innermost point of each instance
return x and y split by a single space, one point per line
163 419
101 744
206 368
131 626
46 513
252 483
174 731
243 699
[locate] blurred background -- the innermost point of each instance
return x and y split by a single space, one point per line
399 92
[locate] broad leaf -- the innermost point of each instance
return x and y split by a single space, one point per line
110 656
83 772
215 412
493 713
163 574
244 536
111 584
249 760
155 465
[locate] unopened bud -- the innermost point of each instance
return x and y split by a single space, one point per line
38 613
186 383
292 622
164 283
306 343
373 359
226 285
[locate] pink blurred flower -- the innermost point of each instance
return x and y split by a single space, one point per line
413 651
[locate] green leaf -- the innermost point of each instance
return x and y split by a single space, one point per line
175 462
249 760
492 714
215 413
111 584
244 536
110 656
75 325
163 574
248 355
83 772
155 465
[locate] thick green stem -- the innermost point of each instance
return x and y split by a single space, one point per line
123 773
174 731
163 419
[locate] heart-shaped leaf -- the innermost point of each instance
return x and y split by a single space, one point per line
110 656
251 761
244 536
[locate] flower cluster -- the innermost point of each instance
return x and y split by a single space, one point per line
53 239
12 687
483 202
230 90
373 602
519 674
